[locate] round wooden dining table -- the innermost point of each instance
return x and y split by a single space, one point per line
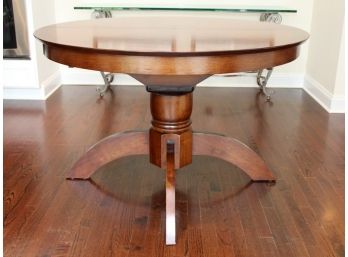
170 56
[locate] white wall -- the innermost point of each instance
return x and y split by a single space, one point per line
23 73
38 77
340 78
325 66
326 32
43 14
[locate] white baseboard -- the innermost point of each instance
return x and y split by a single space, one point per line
330 102
73 76
46 88
338 104
51 84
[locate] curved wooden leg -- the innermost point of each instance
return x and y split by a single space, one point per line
108 149
233 151
170 195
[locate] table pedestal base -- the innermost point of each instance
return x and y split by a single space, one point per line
136 143
170 144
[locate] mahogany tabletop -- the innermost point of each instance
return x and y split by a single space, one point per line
215 44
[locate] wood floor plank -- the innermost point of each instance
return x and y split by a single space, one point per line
269 247
121 211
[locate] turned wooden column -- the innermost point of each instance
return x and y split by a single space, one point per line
170 143
171 123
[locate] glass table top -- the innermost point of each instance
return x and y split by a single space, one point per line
235 9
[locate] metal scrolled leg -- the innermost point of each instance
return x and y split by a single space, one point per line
107 77
101 13
271 17
262 82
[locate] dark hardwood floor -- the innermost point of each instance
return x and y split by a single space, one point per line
219 212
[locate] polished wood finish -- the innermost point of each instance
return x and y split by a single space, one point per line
233 151
155 35
171 121
141 46
219 213
110 148
169 65
136 143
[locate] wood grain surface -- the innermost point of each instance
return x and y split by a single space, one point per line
181 46
175 36
218 212
233 151
108 149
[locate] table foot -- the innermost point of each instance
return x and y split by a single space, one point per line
262 82
170 194
108 78
108 149
232 151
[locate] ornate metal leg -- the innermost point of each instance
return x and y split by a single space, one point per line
101 13
271 17
262 82
108 78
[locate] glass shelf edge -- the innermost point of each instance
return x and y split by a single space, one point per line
236 10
